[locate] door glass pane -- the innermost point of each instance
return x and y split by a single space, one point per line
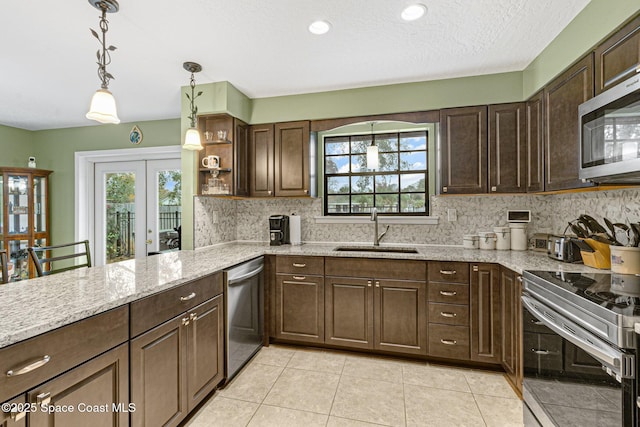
40 203
18 259
120 215
169 185
18 204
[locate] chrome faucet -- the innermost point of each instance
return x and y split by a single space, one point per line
374 218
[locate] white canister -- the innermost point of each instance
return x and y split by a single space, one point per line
625 259
518 236
503 238
487 240
470 241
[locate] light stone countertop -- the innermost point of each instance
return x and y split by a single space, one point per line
35 306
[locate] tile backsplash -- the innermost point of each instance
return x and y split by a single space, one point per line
219 220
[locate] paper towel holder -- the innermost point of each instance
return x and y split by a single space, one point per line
295 234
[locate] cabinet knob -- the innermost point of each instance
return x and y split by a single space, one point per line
494 188
519 279
43 398
185 321
369 283
306 191
17 415
193 317
475 268
377 284
444 189
269 192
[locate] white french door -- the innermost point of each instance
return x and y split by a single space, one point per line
137 208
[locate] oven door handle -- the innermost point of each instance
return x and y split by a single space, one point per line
619 362
245 276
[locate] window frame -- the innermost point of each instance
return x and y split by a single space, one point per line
398 172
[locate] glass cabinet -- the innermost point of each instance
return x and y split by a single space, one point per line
24 197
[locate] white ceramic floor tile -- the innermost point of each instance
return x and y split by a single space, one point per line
253 383
373 368
224 412
379 402
436 377
271 416
345 422
489 383
500 412
320 361
304 390
428 406
274 355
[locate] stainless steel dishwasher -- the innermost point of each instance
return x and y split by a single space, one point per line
244 307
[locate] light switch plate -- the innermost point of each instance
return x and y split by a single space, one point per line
214 217
452 215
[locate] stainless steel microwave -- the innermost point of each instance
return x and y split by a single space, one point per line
610 134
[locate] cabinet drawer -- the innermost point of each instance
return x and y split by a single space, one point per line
449 314
155 309
451 272
300 265
448 341
449 293
66 347
542 353
376 268
531 324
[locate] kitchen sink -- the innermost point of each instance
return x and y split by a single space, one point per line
393 249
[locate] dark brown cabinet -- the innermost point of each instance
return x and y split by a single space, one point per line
279 163
485 313
178 363
511 320
376 304
299 307
226 137
562 97
618 58
507 148
97 392
16 414
463 148
535 143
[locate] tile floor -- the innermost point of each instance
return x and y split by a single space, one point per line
297 386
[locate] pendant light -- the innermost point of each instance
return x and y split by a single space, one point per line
372 152
192 140
103 104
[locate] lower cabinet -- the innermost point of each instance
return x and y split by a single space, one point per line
511 316
299 307
95 393
485 313
175 365
14 413
377 314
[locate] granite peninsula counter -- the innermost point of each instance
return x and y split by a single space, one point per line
35 306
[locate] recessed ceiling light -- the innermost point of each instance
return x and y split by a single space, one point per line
413 12
319 27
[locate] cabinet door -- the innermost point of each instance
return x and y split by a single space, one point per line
562 145
16 414
300 307
400 316
240 158
535 143
463 139
618 57
511 315
349 312
98 392
261 160
159 375
507 142
205 349
292 177
485 313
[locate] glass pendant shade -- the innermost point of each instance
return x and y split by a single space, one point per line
103 107
372 157
192 140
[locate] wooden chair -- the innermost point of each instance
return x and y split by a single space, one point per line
4 266
43 255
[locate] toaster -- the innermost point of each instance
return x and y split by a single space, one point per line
563 248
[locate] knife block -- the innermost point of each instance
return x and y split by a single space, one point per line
600 258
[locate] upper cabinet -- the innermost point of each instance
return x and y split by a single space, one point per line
279 163
618 57
507 148
535 143
463 139
222 164
562 96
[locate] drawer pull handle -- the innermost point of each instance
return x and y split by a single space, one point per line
541 352
447 314
449 342
448 293
29 366
17 416
448 272
192 295
43 398
299 265
299 277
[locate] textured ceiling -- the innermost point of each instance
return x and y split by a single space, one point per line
263 48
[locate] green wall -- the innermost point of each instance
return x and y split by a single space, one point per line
594 23
55 150
16 146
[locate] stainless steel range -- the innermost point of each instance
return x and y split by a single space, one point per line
580 348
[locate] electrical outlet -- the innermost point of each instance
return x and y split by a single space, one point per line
214 217
452 215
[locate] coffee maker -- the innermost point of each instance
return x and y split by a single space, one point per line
278 230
